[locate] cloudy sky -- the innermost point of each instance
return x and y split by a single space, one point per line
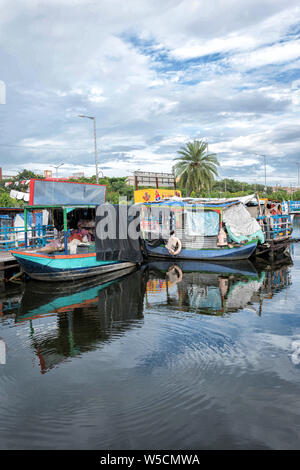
155 74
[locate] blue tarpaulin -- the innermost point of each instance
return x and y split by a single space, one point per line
202 223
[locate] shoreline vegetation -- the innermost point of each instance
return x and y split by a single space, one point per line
117 186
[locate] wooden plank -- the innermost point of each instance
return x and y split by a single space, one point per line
6 256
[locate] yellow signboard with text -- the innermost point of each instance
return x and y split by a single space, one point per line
153 194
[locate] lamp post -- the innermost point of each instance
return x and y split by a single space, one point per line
95 143
265 157
57 167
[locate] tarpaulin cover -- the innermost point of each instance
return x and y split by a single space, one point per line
202 223
61 192
240 225
118 245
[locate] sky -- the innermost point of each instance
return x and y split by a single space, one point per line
156 75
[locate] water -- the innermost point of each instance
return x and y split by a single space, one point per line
165 358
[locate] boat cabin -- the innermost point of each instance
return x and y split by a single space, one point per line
70 223
205 229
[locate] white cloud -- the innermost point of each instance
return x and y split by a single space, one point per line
126 63
274 54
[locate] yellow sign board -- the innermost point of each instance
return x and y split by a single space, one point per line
153 194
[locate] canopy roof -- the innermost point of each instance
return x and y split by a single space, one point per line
178 202
61 206
51 192
205 202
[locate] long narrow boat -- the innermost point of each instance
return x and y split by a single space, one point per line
196 225
65 267
223 254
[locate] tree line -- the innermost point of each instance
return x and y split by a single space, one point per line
196 173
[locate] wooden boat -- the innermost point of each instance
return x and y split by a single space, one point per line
291 207
229 254
197 224
63 265
276 223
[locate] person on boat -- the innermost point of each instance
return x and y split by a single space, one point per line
222 236
269 211
174 244
273 209
279 212
54 245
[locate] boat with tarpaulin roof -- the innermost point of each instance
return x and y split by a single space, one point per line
72 255
197 224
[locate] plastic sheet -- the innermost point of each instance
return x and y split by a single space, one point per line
119 245
45 192
205 223
240 225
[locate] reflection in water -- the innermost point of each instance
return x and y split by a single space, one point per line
186 355
86 314
209 288
10 297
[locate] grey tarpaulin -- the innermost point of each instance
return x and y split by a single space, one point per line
61 192
240 225
118 246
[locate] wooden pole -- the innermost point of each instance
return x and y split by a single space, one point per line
25 227
65 231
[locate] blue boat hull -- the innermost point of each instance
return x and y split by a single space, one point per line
65 267
242 252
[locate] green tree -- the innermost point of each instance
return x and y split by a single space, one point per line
27 175
6 200
195 167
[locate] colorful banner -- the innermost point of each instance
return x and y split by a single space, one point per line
152 194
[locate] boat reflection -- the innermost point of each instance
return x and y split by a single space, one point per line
69 320
214 288
10 298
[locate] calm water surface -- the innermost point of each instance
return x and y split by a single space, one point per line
192 356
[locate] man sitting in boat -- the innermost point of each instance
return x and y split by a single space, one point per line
174 244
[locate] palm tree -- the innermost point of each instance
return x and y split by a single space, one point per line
195 167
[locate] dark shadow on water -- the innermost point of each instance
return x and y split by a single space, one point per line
88 314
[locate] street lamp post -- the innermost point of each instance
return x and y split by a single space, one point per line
265 157
95 143
57 167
